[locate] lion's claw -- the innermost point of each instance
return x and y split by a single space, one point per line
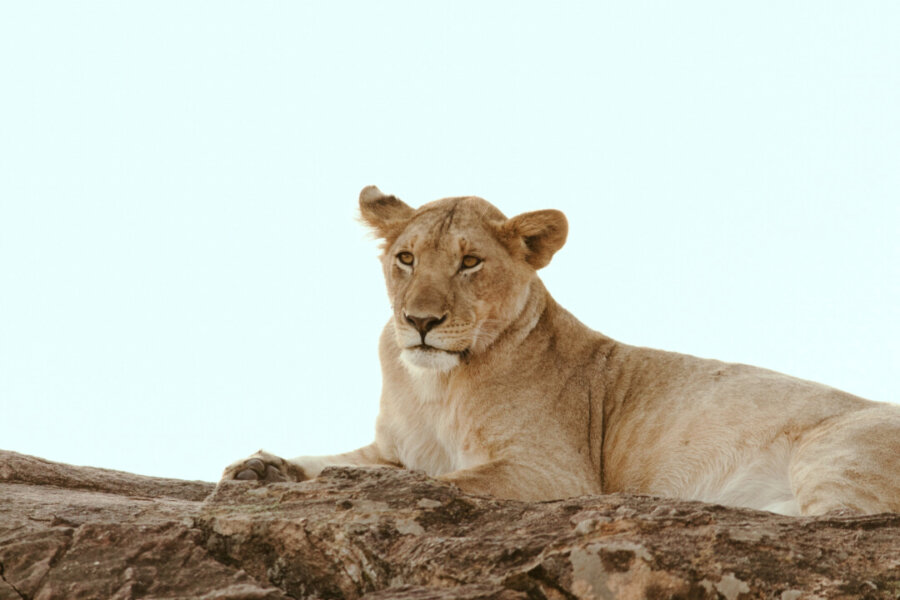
265 468
254 469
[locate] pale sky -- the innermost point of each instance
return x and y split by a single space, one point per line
183 279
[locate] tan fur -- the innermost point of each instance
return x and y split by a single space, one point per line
514 397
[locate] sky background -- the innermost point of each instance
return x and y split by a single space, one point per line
183 279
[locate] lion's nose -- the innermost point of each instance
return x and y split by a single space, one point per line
424 324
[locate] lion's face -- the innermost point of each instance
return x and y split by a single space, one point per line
453 286
457 272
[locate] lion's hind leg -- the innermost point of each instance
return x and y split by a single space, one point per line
851 462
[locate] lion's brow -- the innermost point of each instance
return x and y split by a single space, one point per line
445 224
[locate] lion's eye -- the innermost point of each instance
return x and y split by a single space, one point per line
406 258
470 262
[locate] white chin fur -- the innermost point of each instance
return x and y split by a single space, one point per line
432 360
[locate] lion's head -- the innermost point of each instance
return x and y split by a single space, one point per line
458 272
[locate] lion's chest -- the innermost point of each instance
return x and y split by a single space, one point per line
435 433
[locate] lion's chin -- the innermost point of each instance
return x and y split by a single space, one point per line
431 359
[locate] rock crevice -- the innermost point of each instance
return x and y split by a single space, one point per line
6 588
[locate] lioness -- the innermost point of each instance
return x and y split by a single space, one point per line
491 385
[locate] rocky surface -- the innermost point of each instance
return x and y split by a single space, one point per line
77 532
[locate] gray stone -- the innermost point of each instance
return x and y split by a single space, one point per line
78 532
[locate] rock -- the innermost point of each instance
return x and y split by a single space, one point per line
78 532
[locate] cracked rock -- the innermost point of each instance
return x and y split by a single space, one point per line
77 532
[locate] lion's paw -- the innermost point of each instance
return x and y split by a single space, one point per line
264 467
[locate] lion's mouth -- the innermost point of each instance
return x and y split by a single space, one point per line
423 356
436 350
427 348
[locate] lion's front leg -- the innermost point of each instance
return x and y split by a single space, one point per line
268 468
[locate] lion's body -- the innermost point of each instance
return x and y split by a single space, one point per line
489 384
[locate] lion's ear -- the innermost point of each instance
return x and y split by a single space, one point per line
536 236
385 214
